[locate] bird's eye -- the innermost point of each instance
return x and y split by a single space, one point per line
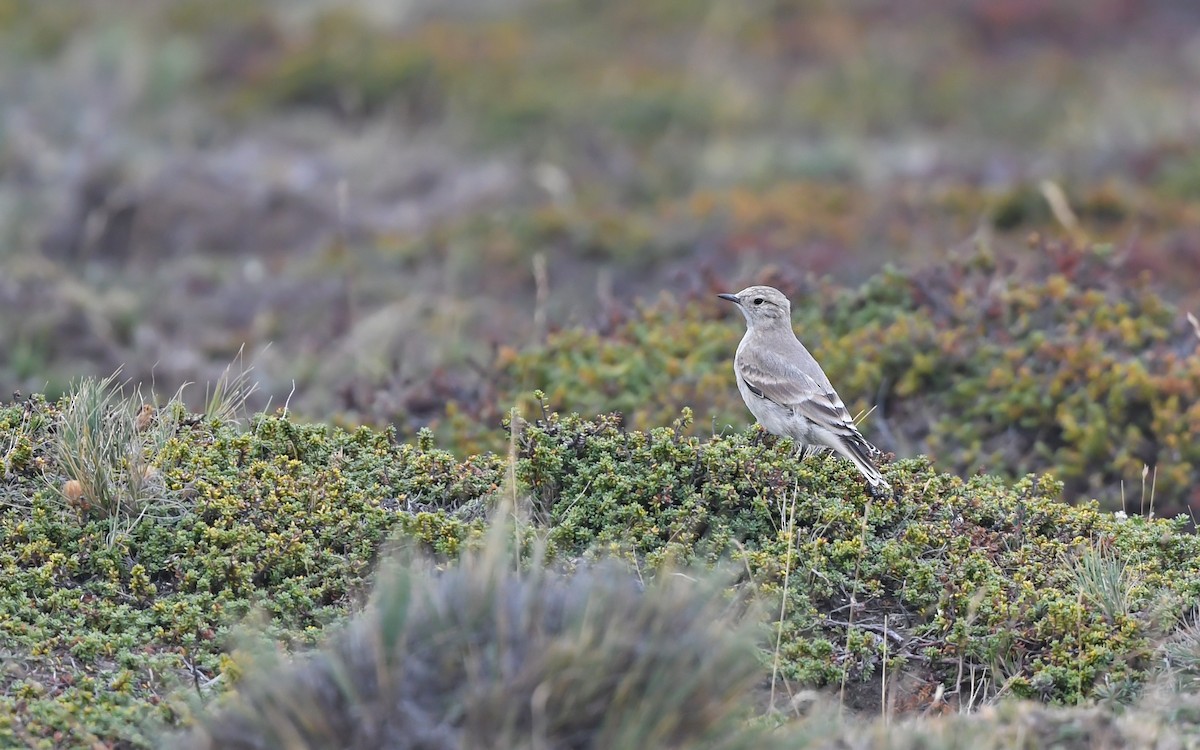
758 300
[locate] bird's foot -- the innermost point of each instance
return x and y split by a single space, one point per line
881 491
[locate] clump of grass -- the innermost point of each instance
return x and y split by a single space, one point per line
225 400
1106 583
105 444
107 439
481 655
1180 654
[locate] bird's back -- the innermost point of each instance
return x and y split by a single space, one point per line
781 342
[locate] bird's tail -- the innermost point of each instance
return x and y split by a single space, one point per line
863 455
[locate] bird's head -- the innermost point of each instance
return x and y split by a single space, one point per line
762 305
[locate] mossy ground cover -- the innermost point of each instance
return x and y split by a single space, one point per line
640 146
1068 361
969 589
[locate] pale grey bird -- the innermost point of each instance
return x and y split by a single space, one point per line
786 390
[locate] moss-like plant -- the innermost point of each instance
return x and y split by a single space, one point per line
1066 365
955 590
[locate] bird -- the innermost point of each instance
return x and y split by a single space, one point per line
787 391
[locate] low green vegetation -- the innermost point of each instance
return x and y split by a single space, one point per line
436 215
1066 362
951 594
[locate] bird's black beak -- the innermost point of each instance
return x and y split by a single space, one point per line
731 297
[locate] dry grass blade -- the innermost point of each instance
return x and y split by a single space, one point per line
787 524
1181 654
225 400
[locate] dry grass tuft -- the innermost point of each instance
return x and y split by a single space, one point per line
481 655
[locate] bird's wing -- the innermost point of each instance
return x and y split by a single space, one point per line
775 378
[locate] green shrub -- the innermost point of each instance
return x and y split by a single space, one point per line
285 520
1064 364
978 581
967 589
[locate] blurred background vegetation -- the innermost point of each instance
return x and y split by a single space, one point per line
415 213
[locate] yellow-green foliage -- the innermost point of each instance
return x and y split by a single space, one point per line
1069 366
284 519
977 580
969 573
